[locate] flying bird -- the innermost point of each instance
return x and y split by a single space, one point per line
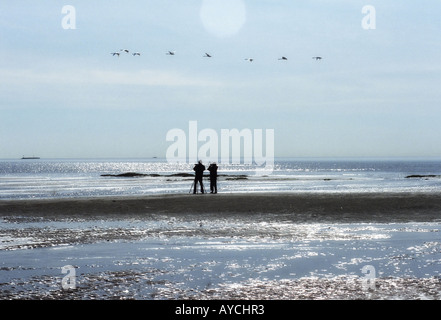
249 59
125 50
317 58
207 55
170 53
115 54
136 54
283 58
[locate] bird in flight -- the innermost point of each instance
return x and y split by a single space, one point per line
207 55
115 54
283 58
249 59
170 53
136 54
317 58
124 50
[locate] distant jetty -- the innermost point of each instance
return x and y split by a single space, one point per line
29 158
423 176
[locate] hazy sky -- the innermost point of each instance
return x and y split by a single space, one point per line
376 92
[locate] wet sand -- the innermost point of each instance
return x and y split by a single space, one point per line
223 246
311 207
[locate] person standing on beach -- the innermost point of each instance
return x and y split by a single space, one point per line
199 169
213 177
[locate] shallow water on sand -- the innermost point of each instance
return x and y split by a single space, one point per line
74 178
175 257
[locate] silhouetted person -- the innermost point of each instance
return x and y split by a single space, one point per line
199 169
213 177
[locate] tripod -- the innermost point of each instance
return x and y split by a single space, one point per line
192 186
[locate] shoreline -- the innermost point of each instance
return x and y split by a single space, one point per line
299 207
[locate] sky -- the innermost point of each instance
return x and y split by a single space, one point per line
375 93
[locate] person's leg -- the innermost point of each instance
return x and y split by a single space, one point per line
202 186
195 185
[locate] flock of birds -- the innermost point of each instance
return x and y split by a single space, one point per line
126 51
172 53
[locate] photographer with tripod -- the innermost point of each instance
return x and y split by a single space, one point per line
199 169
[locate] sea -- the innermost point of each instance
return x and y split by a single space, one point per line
74 178
202 257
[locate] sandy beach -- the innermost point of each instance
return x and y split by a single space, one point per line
306 207
222 246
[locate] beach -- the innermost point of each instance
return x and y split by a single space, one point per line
300 207
317 127
276 246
